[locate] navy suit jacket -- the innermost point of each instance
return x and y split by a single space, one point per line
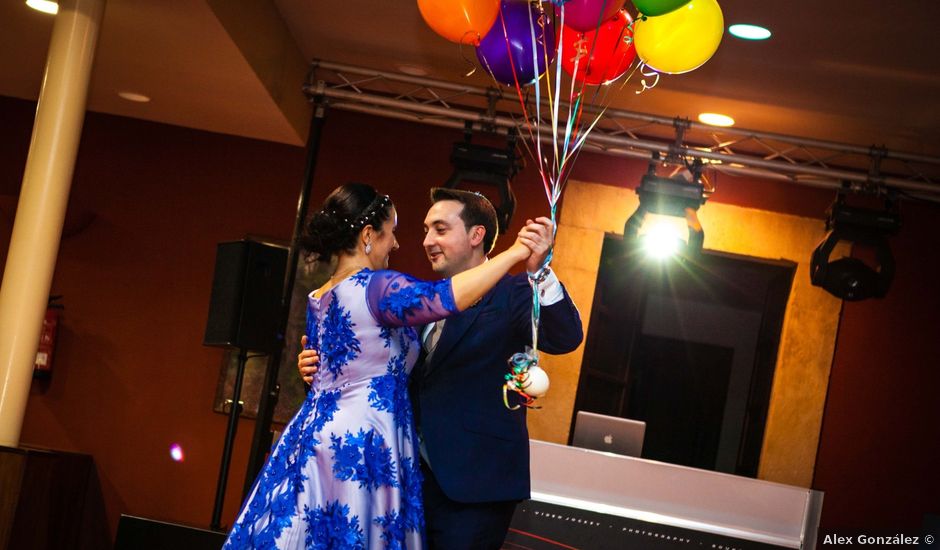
477 448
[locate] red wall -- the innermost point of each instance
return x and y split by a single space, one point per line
879 455
131 376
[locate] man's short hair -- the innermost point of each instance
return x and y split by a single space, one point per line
477 210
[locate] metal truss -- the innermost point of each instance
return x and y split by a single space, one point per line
803 161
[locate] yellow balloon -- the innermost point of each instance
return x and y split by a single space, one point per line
681 40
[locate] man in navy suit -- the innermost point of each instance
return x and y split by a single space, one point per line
475 451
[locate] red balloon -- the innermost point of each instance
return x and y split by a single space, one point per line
602 55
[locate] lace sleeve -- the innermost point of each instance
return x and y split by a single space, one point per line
396 299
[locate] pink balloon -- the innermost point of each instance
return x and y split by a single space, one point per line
587 15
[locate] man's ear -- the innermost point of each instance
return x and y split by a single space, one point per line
477 232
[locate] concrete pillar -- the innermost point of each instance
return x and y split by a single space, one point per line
44 195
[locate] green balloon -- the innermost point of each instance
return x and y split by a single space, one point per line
653 8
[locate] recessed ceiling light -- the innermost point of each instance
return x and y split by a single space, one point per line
749 32
413 70
715 119
45 6
135 97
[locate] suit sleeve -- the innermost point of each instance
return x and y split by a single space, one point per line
560 329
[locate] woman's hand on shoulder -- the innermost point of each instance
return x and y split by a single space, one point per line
308 361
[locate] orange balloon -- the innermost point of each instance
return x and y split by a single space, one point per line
461 21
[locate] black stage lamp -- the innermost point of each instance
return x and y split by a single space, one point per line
670 196
851 278
491 166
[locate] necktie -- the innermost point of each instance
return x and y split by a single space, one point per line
430 342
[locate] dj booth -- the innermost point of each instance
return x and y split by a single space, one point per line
595 500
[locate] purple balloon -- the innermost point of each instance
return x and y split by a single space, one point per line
521 23
588 15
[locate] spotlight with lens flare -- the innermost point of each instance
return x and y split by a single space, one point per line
668 197
662 240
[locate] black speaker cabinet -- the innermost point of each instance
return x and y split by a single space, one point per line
245 305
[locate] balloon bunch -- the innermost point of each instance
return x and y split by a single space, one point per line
595 43
516 39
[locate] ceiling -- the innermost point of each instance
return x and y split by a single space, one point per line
868 74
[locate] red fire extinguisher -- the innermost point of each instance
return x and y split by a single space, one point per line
47 338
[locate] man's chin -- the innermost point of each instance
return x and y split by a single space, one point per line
438 265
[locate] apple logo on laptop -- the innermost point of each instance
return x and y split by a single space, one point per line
609 439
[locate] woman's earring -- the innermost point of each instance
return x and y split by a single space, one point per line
368 248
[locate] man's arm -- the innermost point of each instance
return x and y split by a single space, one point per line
560 328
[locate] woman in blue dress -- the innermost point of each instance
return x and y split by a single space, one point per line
345 472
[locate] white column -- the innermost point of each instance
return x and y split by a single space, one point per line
44 195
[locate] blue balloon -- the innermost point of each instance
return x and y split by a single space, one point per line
506 51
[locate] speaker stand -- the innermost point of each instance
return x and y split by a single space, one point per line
233 414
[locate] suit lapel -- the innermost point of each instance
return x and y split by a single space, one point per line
454 329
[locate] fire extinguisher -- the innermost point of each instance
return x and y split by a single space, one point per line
47 338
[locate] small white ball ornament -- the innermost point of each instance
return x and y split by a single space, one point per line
535 382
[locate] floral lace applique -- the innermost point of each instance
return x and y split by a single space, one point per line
362 278
331 528
390 391
338 343
363 457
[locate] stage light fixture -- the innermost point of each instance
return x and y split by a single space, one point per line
667 196
662 240
850 278
488 165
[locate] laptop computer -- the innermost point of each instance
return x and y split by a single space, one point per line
608 433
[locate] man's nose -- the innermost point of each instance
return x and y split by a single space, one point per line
428 240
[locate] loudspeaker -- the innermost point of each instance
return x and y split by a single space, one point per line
245 306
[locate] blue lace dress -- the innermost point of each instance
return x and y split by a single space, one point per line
345 472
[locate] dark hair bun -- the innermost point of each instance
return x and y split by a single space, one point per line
325 236
336 226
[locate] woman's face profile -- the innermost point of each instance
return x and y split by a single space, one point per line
385 241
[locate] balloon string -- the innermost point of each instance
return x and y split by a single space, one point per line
538 96
464 56
557 95
568 138
515 74
644 72
528 123
633 71
576 129
534 280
